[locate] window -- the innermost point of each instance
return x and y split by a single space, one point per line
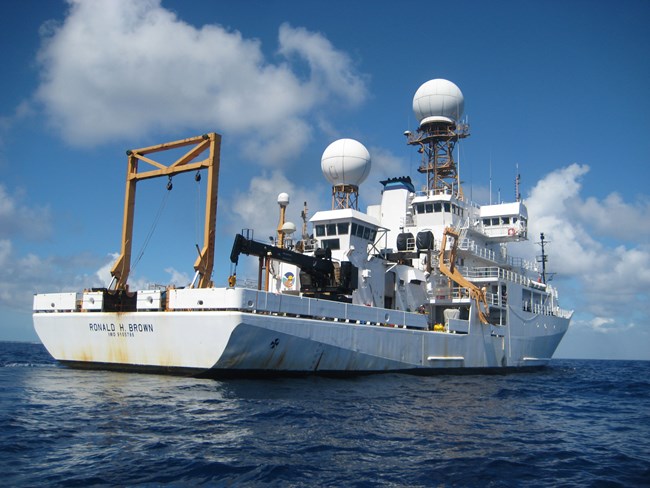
419 208
360 229
343 228
332 244
437 207
353 231
495 220
331 229
429 208
486 222
320 230
366 233
447 207
373 234
505 220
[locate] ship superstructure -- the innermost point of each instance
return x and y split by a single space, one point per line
421 282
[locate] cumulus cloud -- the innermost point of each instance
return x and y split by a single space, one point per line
614 279
122 68
257 206
384 164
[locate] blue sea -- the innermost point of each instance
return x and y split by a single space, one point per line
575 423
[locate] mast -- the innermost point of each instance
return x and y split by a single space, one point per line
543 258
438 104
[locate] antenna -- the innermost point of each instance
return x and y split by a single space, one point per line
543 258
517 181
303 216
490 177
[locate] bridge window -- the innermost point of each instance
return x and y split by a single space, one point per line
331 229
429 208
495 220
447 207
419 208
366 233
505 220
486 222
373 234
320 230
332 244
437 207
360 229
343 228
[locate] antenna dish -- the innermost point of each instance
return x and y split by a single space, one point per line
288 228
438 101
345 162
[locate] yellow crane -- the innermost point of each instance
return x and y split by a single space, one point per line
188 162
453 274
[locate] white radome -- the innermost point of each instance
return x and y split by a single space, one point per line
283 199
438 101
345 162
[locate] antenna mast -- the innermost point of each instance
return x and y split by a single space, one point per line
543 258
438 106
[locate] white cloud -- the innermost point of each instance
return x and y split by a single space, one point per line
120 68
178 278
103 274
614 279
257 207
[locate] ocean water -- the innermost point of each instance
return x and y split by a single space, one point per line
575 423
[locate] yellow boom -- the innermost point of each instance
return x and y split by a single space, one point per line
453 274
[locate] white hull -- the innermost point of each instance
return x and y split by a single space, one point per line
242 339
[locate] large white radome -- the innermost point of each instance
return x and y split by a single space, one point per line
438 101
345 162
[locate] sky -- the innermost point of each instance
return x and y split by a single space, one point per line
556 91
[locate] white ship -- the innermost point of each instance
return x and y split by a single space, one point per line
423 282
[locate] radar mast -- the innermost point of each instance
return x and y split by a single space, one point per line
438 104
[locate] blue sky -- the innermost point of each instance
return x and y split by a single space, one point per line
559 88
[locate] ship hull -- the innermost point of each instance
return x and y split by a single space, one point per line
230 343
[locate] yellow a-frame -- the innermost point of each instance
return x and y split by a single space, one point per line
204 263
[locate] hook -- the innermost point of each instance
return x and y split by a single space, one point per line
169 184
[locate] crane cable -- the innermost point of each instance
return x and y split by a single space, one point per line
154 224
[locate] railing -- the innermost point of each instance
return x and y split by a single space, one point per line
466 244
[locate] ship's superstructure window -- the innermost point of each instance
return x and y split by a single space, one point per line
332 244
320 230
331 229
437 207
343 228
